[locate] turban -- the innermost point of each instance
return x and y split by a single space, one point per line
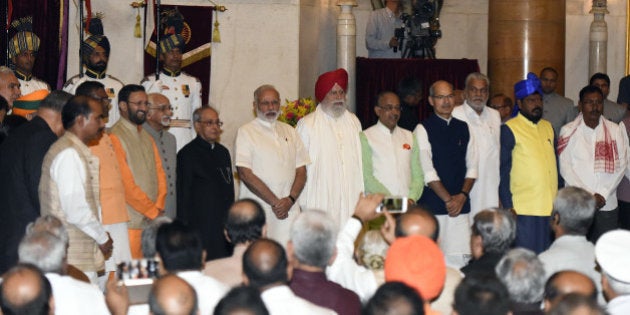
419 263
171 42
611 251
29 103
96 38
326 81
527 87
24 39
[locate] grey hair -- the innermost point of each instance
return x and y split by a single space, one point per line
575 208
149 236
496 228
4 70
432 87
523 274
198 111
263 88
476 76
44 250
48 223
620 287
314 235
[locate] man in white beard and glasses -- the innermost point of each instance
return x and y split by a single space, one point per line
271 163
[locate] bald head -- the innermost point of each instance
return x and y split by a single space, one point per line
265 264
417 221
565 282
245 222
25 290
170 295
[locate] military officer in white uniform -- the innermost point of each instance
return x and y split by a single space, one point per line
182 90
23 48
95 57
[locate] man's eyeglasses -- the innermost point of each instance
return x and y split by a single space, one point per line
210 123
161 108
389 108
441 97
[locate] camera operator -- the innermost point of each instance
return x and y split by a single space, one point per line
380 38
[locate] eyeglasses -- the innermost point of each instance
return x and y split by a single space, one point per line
337 93
162 107
389 108
441 97
210 123
139 103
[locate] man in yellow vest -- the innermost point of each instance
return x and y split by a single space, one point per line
529 176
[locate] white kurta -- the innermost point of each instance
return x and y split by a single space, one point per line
486 129
335 177
209 290
76 297
184 93
273 151
578 159
390 152
112 87
280 300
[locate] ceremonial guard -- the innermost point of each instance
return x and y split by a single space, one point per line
23 48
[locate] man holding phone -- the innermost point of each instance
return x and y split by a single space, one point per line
390 154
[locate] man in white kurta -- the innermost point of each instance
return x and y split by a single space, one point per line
484 124
391 157
331 136
271 162
593 156
182 90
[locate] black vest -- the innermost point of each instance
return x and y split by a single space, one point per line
449 143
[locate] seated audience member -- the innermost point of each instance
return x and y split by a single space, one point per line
481 294
149 236
266 268
395 298
371 252
171 295
613 257
493 232
523 275
25 290
310 249
240 301
245 223
181 253
576 304
418 262
565 282
571 217
44 246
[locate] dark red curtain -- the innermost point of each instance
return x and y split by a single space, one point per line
46 25
377 75
199 20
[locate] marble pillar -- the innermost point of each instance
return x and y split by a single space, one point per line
598 39
347 48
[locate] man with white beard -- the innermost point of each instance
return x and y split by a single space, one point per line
271 163
484 124
331 136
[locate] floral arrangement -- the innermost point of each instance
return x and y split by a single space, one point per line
293 111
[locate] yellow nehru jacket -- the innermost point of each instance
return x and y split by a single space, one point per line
534 176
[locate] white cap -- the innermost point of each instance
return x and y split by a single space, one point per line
613 254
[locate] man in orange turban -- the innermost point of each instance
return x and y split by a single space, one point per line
331 136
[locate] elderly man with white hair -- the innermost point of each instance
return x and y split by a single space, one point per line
310 250
524 276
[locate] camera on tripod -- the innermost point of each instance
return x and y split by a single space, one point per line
420 30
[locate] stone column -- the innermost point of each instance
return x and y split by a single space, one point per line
524 36
598 39
347 47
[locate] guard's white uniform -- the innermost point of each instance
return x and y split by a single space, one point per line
112 87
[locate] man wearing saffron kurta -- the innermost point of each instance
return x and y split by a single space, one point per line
391 157
331 136
529 176
140 164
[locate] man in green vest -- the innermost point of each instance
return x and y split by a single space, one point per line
529 175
